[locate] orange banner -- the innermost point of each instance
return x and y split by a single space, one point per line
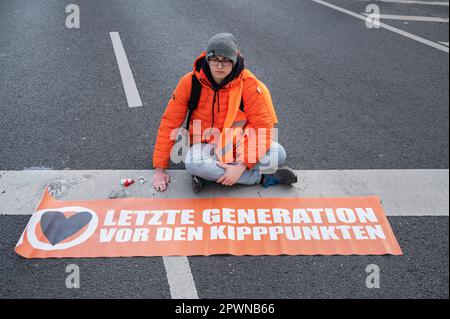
207 226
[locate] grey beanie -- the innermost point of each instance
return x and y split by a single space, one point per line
223 44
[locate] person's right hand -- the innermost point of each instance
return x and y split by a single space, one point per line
161 180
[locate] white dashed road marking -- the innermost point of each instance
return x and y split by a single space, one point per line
179 276
131 91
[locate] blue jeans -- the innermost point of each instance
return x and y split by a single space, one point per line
201 161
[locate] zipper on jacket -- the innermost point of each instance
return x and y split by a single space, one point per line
212 111
218 101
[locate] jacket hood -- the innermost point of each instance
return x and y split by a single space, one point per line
202 71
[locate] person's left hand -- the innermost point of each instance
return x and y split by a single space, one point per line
232 173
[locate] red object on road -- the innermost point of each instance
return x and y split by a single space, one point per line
126 182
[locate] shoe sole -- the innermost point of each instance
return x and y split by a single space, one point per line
288 175
197 184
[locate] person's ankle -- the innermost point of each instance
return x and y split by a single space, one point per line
262 179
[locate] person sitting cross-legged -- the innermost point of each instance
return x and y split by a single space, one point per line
231 98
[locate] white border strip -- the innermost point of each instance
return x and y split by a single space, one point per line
407 192
387 27
129 85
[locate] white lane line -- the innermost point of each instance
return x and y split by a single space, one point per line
444 43
129 85
431 3
408 18
179 276
385 26
417 192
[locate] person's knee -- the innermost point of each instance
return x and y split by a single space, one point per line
276 155
192 168
281 152
192 160
204 170
198 158
274 158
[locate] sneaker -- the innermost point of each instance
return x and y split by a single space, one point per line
197 183
284 175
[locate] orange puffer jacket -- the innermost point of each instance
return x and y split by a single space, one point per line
257 114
